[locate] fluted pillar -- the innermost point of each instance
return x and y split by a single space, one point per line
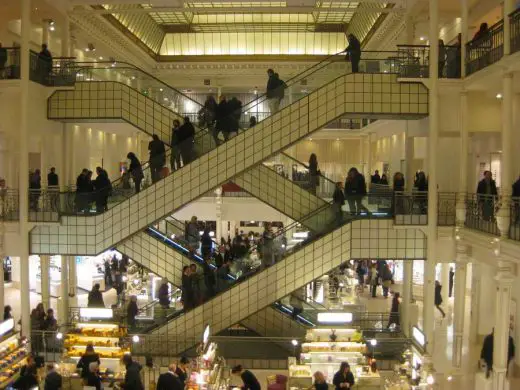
45 280
460 304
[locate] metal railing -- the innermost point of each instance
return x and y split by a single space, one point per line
414 61
9 205
9 63
481 213
52 72
412 208
514 227
514 19
485 50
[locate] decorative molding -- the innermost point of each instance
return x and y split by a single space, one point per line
126 50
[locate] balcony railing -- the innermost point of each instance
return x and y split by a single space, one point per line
514 227
9 63
485 50
57 72
514 19
481 213
414 61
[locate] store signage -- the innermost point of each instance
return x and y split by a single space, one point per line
334 318
418 336
95 313
6 326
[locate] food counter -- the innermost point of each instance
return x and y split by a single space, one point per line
13 353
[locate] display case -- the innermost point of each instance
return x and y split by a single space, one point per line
108 338
300 375
13 353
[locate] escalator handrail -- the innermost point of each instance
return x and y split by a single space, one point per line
321 176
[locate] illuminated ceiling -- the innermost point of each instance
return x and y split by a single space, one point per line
154 27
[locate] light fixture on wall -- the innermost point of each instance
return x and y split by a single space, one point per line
51 25
499 96
422 39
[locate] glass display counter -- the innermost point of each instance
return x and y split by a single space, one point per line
13 353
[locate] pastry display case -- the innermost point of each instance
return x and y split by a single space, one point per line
13 353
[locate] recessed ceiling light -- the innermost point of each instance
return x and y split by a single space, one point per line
499 96
160 89
337 139
100 58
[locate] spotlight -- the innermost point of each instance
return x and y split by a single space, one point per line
430 380
100 58
51 25
59 335
135 338
373 342
294 342
499 96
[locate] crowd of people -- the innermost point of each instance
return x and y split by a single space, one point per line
89 191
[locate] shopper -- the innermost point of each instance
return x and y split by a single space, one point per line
132 376
384 180
208 114
53 188
28 379
338 201
37 323
187 288
222 275
93 379
361 271
394 312
35 189
483 32
235 112
7 312
53 380
169 380
314 172
82 191
136 170
95 297
186 141
343 379
50 325
3 61
157 157
164 294
206 244
398 201
296 301
222 122
90 356
268 246
209 278
486 193
132 310
252 121
274 91
373 280
248 378
45 64
182 370
355 190
103 187
353 52
386 278
438 298
319 381
193 235
375 178
421 185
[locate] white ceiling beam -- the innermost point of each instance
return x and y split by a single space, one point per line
265 10
170 3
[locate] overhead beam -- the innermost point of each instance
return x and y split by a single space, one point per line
230 10
169 2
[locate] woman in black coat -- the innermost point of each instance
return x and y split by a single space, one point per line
438 298
343 379
135 170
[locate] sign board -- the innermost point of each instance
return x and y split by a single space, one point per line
96 313
334 318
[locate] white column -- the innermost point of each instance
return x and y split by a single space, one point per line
408 157
64 291
445 282
460 306
431 257
504 279
463 153
65 37
475 302
2 257
73 282
45 33
43 161
508 8
218 209
506 178
407 296
45 281
23 162
368 156
463 34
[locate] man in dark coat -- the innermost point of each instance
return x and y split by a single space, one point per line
353 52
95 297
157 157
103 187
486 192
169 380
185 140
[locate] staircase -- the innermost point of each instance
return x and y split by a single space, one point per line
375 95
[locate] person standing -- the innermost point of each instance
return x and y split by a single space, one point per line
164 294
375 178
394 311
206 244
268 245
90 356
131 312
193 235
187 288
451 280
373 280
248 378
319 381
353 52
157 157
442 58
45 64
274 91
222 275
338 199
486 193
398 201
53 188
102 186
386 278
132 375
53 380
3 61
95 297
186 141
438 298
169 380
222 119
175 156
355 190
182 370
209 278
136 170
314 172
343 379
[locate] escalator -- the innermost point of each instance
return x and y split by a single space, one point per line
376 95
335 242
